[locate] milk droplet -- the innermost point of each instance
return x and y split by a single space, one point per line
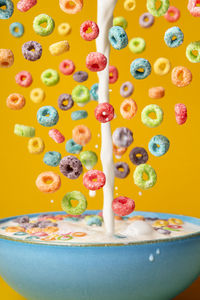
110 90
140 193
98 135
103 113
116 187
118 157
96 146
151 258
158 251
92 193
52 201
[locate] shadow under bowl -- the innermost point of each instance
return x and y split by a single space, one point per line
102 272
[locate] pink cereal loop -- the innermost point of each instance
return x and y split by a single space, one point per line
71 6
104 112
67 67
25 5
173 14
91 175
123 206
113 74
89 36
24 79
193 8
180 113
56 135
96 61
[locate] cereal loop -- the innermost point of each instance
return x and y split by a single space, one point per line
123 206
161 10
175 221
181 76
25 5
181 113
36 145
193 52
15 101
128 109
156 92
173 14
96 61
104 112
193 8
119 151
37 95
113 74
67 205
64 29
152 122
129 5
8 11
59 48
6 58
67 67
48 182
56 135
81 134
39 21
94 180
71 6
24 79
139 173
93 29
162 66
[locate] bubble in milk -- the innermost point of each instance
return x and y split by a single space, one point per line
151 257
158 251
92 193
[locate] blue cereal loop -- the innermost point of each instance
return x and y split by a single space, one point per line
73 147
47 116
6 13
140 63
52 158
94 91
93 220
159 145
79 114
14 26
170 34
118 37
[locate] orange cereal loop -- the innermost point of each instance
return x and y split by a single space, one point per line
79 234
71 6
81 135
160 223
156 92
15 101
50 229
136 218
181 76
119 151
128 109
15 229
34 230
118 218
48 182
6 58
50 238
174 221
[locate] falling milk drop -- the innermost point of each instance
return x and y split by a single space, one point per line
158 251
151 258
92 193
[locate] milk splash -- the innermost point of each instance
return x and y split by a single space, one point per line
105 10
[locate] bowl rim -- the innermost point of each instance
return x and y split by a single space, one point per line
192 220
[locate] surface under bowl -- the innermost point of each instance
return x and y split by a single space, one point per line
102 272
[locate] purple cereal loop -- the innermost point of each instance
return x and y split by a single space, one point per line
126 89
124 173
149 22
138 160
80 76
65 97
32 55
122 137
71 167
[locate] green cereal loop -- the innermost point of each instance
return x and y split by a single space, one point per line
67 206
50 77
137 45
194 46
40 19
23 130
149 122
88 159
81 94
138 176
120 21
151 6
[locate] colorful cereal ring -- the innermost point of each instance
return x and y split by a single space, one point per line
59 48
122 137
73 147
193 51
71 6
89 30
138 156
25 5
94 180
62 99
159 145
128 109
137 45
129 5
162 66
81 134
121 169
23 130
47 116
113 74
119 151
173 37
15 101
56 135
6 58
81 95
118 37
126 89
67 206
140 68
43 19
193 8
181 76
93 220
28 53
24 79
173 14
89 159
64 29
80 76
96 61
146 20
181 113
138 176
79 234
71 167
36 145
16 29
175 221
156 92
104 112
157 12
50 77
79 115
42 182
52 158
9 9
160 223
120 21
67 67
147 120
123 206
37 95
94 91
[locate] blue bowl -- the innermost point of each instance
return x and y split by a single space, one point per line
108 272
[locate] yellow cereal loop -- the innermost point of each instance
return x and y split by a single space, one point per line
64 29
160 223
37 95
59 48
129 5
174 221
162 66
35 145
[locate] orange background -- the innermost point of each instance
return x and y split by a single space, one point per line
178 171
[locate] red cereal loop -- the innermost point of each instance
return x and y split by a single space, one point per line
24 78
113 74
56 135
89 25
193 8
123 206
96 61
181 113
67 67
90 176
173 14
104 112
25 5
